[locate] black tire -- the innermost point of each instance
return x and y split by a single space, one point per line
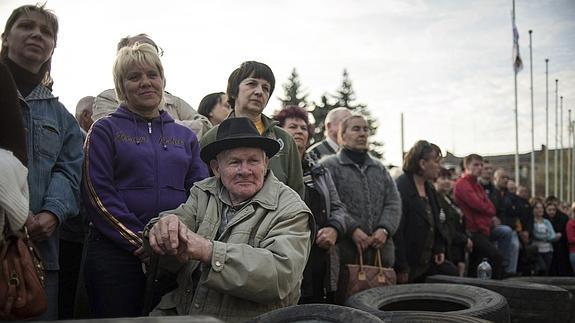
316 313
432 317
567 283
546 280
152 319
391 301
528 302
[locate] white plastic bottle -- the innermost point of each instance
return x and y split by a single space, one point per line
484 270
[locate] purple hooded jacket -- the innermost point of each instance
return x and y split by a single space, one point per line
134 169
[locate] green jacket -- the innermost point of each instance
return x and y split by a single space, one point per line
286 164
257 262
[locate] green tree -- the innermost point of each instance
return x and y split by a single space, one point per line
345 97
319 112
293 93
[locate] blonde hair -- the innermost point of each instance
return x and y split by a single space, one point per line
137 54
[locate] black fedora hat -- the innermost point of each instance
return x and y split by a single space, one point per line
235 133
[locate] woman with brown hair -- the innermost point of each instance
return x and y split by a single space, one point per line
54 141
420 240
249 89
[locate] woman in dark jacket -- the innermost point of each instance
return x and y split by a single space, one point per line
420 240
322 270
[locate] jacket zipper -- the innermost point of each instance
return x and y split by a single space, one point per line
150 127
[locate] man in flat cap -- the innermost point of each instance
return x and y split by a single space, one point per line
241 239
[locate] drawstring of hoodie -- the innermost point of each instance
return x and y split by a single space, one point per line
136 127
163 140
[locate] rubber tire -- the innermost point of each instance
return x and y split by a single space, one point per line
432 317
151 319
528 302
479 302
567 283
316 313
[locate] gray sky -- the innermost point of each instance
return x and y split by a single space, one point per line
445 64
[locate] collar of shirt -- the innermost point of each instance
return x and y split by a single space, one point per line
332 144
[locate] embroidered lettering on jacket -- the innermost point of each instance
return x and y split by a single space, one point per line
171 141
131 139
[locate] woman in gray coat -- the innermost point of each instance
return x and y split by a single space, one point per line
368 192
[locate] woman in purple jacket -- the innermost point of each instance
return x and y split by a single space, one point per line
138 162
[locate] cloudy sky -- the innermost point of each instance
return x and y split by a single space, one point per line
445 64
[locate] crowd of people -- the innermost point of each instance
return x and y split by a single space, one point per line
231 211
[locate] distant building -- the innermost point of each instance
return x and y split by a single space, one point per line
507 162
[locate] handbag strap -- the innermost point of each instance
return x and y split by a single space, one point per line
360 257
377 260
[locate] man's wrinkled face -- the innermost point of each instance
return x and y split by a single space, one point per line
242 171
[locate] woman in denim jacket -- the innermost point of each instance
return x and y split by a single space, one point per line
53 138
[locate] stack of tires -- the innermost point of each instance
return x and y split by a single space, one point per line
152 319
528 302
432 303
316 313
567 283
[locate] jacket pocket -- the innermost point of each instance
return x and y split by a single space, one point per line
47 140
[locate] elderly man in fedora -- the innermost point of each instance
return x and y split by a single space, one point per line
241 240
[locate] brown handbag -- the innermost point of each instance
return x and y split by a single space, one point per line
22 293
358 277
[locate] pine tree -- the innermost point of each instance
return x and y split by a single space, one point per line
345 97
319 113
293 91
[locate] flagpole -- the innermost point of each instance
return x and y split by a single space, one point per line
573 161
533 193
516 110
546 127
556 169
569 198
561 154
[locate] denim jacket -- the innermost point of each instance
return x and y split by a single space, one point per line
55 160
